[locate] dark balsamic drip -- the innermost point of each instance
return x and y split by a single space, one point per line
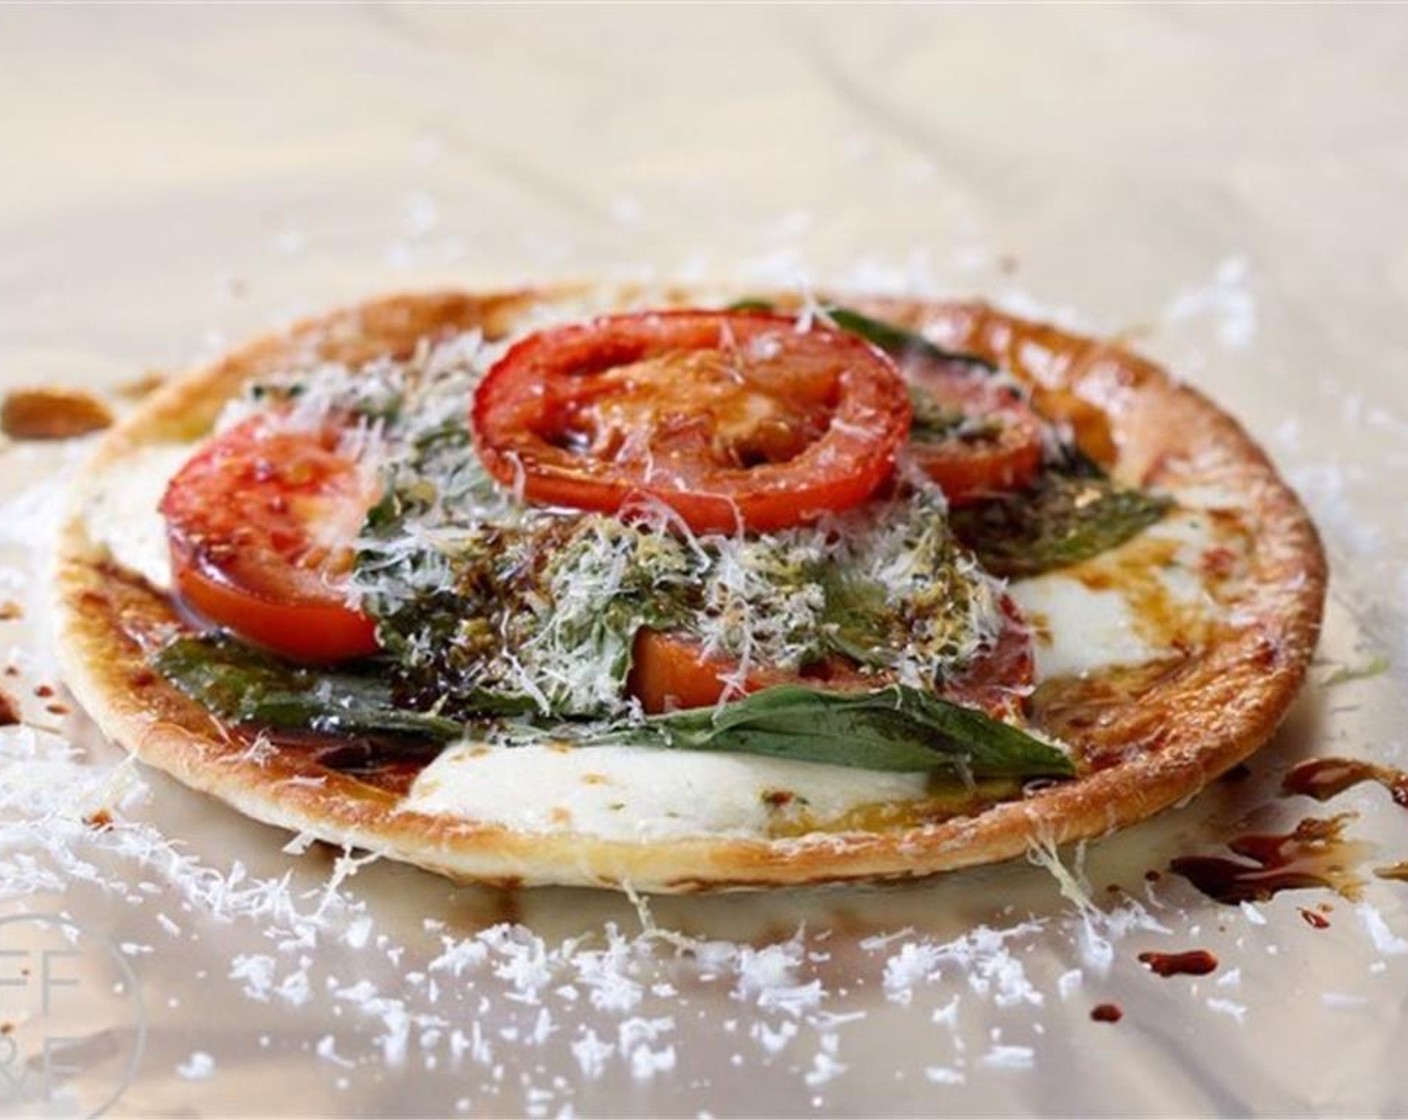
99 820
387 762
1314 920
1323 778
1106 1013
1195 962
1314 854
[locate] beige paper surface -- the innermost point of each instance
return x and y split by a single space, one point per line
1227 185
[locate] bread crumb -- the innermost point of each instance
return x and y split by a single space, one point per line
52 413
10 610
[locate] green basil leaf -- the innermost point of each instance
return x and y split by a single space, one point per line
895 341
1062 519
899 342
860 624
897 729
243 685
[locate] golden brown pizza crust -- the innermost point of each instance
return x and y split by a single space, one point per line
1190 722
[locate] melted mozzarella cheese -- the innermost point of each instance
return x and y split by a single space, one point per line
633 793
121 512
1078 630
1126 607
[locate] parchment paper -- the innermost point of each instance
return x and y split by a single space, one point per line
1224 186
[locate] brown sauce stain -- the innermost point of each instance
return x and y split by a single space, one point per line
1324 778
1106 715
100 820
1194 962
52 413
1397 871
387 763
43 691
1106 1013
1314 919
9 710
10 610
508 905
1133 571
482 905
1314 854
1219 564
1090 425
1161 618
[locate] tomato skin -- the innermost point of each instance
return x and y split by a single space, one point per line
312 632
968 470
1000 677
670 671
732 419
260 523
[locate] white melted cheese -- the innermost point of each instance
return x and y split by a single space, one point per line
1078 630
121 512
633 793
1081 629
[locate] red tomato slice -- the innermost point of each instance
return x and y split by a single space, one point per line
1000 451
999 678
670 671
729 418
260 524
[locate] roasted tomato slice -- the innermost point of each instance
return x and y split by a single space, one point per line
260 524
972 435
731 419
670 671
1000 677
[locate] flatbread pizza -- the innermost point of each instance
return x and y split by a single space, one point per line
661 589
